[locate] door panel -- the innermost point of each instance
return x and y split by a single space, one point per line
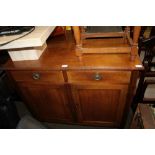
47 102
100 104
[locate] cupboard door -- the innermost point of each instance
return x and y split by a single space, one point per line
47 102
100 104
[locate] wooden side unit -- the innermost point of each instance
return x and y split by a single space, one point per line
96 90
94 100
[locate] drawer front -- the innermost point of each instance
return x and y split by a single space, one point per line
99 76
37 76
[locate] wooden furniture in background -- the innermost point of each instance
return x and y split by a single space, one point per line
147 76
97 90
109 42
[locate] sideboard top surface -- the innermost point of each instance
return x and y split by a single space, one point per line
61 52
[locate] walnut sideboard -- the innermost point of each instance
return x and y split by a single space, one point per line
96 90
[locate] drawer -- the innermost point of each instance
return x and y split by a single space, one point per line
99 76
38 76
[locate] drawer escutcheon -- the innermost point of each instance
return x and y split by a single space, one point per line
98 77
36 76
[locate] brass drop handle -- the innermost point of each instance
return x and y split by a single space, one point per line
36 76
98 77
